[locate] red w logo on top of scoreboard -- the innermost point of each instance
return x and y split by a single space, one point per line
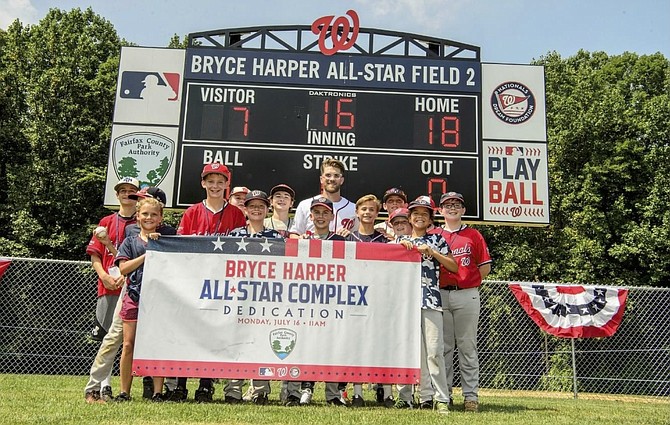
342 33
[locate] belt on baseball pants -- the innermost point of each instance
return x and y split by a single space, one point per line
450 288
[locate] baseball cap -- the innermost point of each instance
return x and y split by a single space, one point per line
322 201
127 180
394 191
256 194
283 188
451 195
150 192
215 168
422 201
239 189
399 212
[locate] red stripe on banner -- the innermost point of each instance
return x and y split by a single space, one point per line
574 331
291 248
315 248
338 249
4 265
386 252
276 371
571 290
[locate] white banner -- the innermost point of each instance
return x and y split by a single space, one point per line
267 309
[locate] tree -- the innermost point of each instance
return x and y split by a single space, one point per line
14 145
67 67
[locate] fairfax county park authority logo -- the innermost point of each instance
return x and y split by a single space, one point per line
145 156
282 342
513 102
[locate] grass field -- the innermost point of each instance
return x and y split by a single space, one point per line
30 399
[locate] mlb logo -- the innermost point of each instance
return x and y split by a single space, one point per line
143 85
513 150
266 371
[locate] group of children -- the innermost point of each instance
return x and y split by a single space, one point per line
326 216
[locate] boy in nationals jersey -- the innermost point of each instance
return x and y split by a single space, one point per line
102 249
460 296
213 216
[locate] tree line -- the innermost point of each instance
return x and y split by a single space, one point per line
608 124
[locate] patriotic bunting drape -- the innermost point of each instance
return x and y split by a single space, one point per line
572 311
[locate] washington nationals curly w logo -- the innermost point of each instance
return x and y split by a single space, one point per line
341 31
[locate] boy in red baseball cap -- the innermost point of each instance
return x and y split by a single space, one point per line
213 216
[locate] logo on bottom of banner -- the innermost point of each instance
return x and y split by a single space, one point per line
282 342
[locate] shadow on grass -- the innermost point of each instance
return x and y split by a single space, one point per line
506 408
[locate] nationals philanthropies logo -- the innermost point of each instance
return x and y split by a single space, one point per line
342 33
513 102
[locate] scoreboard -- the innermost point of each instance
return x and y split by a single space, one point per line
399 110
412 123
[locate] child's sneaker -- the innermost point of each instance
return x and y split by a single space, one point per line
402 404
178 394
204 394
306 396
106 394
292 401
249 394
358 401
261 399
442 407
122 397
426 405
147 387
380 394
92 397
471 406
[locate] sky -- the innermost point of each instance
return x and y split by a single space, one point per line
507 31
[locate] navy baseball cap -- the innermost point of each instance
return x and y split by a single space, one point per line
451 195
150 192
394 191
256 194
283 188
322 201
422 201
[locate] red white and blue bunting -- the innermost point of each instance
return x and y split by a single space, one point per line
572 311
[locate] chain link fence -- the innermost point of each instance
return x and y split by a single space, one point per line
47 309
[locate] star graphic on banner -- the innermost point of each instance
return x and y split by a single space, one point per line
242 246
266 245
218 243
585 310
232 289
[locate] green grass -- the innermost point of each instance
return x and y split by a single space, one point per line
43 400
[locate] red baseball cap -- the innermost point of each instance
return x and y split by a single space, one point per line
215 168
399 212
